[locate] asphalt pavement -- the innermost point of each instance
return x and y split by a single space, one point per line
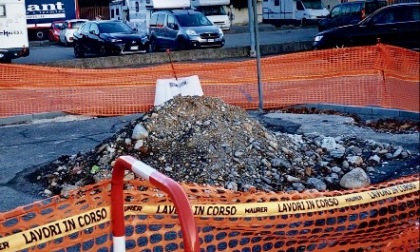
30 141
28 144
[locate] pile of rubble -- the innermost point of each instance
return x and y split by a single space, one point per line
205 141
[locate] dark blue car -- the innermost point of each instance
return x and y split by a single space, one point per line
108 38
350 13
397 25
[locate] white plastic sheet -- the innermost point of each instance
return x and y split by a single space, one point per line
167 89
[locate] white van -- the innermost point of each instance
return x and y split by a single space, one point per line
137 13
298 12
215 11
13 32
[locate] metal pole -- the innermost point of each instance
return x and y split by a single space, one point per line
166 184
258 54
251 26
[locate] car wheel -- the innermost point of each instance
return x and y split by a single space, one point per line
147 48
340 44
40 35
5 61
153 46
180 44
103 52
66 44
78 52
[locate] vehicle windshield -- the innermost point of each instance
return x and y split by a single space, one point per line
370 7
191 20
77 24
313 4
58 25
212 10
114 27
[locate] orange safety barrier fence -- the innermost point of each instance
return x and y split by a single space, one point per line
378 75
383 217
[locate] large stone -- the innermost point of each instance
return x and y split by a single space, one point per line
356 178
280 163
317 184
329 143
139 132
355 160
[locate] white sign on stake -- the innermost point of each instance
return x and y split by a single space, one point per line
167 89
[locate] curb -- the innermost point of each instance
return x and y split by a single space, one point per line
148 59
365 111
362 111
21 119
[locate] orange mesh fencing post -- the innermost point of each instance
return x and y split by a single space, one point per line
175 191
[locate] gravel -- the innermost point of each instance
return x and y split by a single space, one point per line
205 141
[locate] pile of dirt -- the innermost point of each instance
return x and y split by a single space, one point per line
203 140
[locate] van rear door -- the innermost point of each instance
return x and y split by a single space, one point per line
13 33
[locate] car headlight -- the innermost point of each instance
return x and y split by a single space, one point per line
114 40
220 31
318 38
191 32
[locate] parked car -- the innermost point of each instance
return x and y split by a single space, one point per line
54 31
108 38
397 25
350 13
68 28
183 29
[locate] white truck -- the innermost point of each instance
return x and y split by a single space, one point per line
137 13
215 11
297 12
14 41
131 12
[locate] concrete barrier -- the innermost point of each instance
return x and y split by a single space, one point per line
139 60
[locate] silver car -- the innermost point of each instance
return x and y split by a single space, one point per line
183 29
68 28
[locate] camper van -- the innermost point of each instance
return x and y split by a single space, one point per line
131 12
137 13
215 11
13 32
297 12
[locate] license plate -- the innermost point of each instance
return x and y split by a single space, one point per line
210 40
134 48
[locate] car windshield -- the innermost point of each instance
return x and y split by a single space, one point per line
58 25
313 4
370 7
191 20
77 24
212 10
114 27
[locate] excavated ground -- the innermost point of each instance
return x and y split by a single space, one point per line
203 140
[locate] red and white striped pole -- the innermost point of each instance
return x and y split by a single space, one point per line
169 186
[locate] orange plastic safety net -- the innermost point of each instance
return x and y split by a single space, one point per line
383 217
379 75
